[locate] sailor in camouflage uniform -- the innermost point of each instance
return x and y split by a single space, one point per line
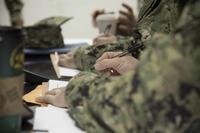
161 96
15 10
150 21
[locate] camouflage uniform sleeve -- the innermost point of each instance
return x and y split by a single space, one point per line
163 97
15 10
166 86
85 57
84 88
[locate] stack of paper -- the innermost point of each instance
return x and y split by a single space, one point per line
56 84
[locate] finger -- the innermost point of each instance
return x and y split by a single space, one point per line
64 57
53 92
126 14
98 12
96 39
95 15
123 30
66 61
105 40
107 55
130 10
123 27
62 62
48 99
102 41
124 21
107 63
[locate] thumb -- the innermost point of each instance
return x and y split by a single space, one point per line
107 63
48 99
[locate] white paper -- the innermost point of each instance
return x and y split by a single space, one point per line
77 41
68 72
54 119
56 84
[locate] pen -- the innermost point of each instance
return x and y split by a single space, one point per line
131 49
107 29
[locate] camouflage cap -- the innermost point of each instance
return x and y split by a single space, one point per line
57 21
45 33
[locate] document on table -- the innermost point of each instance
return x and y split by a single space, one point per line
54 119
68 72
56 84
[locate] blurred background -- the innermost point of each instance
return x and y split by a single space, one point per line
81 10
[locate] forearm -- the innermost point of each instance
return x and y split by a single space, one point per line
78 93
85 57
82 92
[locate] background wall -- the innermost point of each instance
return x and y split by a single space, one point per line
81 10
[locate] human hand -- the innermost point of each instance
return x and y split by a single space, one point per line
95 14
104 39
119 64
67 60
55 97
126 21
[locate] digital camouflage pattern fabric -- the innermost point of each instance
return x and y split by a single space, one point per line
150 20
45 33
15 10
161 96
